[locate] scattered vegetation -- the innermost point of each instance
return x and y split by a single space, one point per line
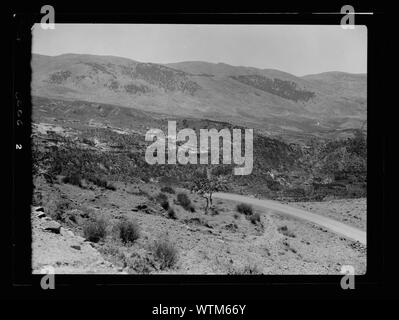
139 264
172 213
282 88
284 230
305 172
205 183
165 252
248 211
61 207
185 202
113 251
245 209
168 189
96 230
163 200
128 231
254 218
249 269
74 179
214 211
100 182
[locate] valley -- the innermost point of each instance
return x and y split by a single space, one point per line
98 206
89 166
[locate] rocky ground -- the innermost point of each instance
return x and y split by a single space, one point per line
60 248
222 242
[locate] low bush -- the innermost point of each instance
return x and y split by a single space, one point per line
102 183
128 231
249 269
185 202
254 218
96 230
138 264
284 231
166 253
163 200
58 213
214 211
245 209
168 189
74 179
172 213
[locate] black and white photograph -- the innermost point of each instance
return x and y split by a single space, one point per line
199 149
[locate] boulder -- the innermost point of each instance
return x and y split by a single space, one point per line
52 226
41 215
66 232
39 209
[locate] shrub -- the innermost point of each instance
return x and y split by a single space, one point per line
114 252
284 230
137 263
74 179
185 202
58 212
214 211
163 200
172 213
254 218
98 181
245 209
247 269
166 253
102 183
145 193
95 230
168 189
128 231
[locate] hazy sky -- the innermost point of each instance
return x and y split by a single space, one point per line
296 49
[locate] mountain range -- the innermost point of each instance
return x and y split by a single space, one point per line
269 100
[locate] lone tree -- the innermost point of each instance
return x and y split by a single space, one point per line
205 184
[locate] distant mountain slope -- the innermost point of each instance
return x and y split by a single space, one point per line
268 99
345 83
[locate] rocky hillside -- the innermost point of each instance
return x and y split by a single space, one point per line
93 139
269 99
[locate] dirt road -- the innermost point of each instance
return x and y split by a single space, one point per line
330 224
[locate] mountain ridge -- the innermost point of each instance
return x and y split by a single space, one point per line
266 98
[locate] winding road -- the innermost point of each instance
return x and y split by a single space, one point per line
330 224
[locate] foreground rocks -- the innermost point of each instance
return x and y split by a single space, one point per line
60 248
